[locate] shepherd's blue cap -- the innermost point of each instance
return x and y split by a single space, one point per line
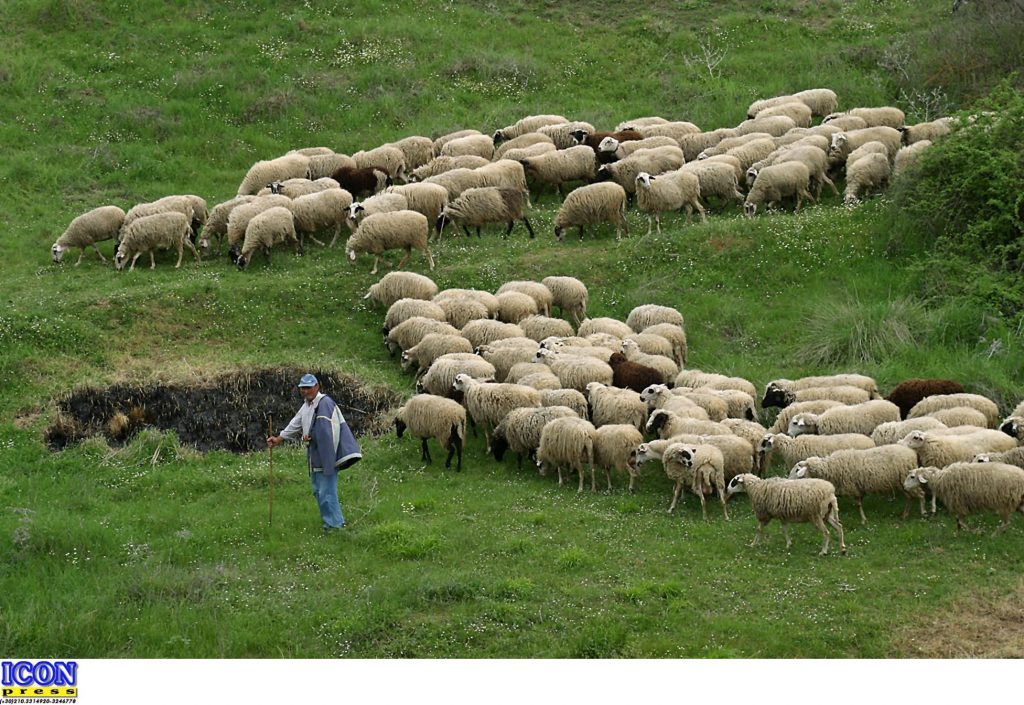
308 380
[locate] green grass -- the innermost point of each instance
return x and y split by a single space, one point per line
153 550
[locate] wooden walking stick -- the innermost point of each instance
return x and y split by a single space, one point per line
270 449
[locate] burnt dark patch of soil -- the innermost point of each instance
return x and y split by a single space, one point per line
228 412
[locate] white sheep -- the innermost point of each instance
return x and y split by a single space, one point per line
460 311
289 166
86 230
646 315
477 207
653 344
485 297
674 129
651 161
884 116
440 377
526 125
793 450
488 403
845 142
1014 456
401 285
782 392
429 416
750 431
634 123
614 445
484 331
238 219
717 179
791 501
387 202
613 406
561 167
948 401
795 110
960 416
861 418
567 443
665 366
821 101
575 372
416 149
514 306
386 158
521 153
612 150
525 141
322 165
942 450
774 125
404 309
698 379
167 204
217 222
455 181
380 232
857 473
293 188
273 226
693 144
470 145
441 165
673 190
773 183
659 396
505 358
677 460
520 430
729 143
926 131
411 331
908 156
565 397
504 173
539 327
603 324
892 431
965 488
666 423
160 231
591 205
570 295
676 337
867 174
321 210
426 198
561 134
446 138
431 347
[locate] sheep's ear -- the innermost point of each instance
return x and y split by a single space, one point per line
922 479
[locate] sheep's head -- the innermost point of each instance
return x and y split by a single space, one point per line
121 259
354 210
641 455
776 395
406 360
462 380
1011 426
749 209
657 421
629 348
243 261
738 484
799 471
592 387
275 187
914 439
766 443
499 444
751 176
651 391
839 141
541 467
686 456
399 424
608 144
604 172
499 136
801 424
543 355
702 156
982 458
616 359
579 135
644 179
916 478
57 252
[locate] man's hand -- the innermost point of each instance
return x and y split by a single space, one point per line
274 441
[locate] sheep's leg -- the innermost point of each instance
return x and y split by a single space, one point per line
700 209
337 233
632 483
559 475
466 230
152 260
825 535
96 247
608 477
860 508
703 504
81 255
581 472
1006 523
376 259
181 252
581 233
650 226
721 498
761 523
961 524
454 446
508 228
430 258
408 252
785 532
132 268
833 519
529 228
424 452
675 495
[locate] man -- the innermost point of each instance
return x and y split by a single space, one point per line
330 447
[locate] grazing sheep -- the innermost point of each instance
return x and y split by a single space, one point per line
611 405
460 311
874 117
561 134
965 488
520 430
729 143
290 166
567 442
673 190
591 205
381 203
910 391
869 173
668 453
791 501
380 232
428 199
739 404
428 416
706 463
674 130
561 167
505 358
1013 426
273 226
940 451
416 150
445 139
240 216
570 295
935 402
526 141
793 450
401 285
795 110
773 183
477 207
404 309
485 297
611 150
431 347
217 222
167 204
152 232
698 379
575 372
926 131
676 337
738 453
647 315
489 402
893 431
411 331
440 377
293 188
786 414
614 445
458 180
440 165
821 101
634 123
542 381
93 226
779 392
526 125
470 145
318 211
504 174
321 165
652 161
692 145
750 431
566 397
484 331
632 375
816 161
666 424
539 327
361 182
717 179
872 147
514 306
859 418
857 473
774 125
610 326
1014 456
659 396
386 158
664 365
960 416
908 156
845 142
534 150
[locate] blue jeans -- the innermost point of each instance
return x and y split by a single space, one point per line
325 490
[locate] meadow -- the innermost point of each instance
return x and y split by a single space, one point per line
153 549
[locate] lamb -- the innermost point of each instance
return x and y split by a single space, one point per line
646 315
460 311
290 166
520 430
481 206
610 405
431 347
411 331
540 327
386 158
717 179
526 125
925 131
796 111
514 306
470 145
908 156
273 226
484 331
428 199
526 141
401 285
664 365
388 231
965 488
857 473
610 326
416 150
676 337
791 501
381 203
217 222
845 142
440 165
590 205
570 295
486 298
652 161
940 451
428 416
561 167
561 134
93 226
670 191
575 372
361 182
870 173
893 431
874 117
440 377
318 211
152 232
445 139
859 418
776 182
567 442
947 401
960 416
908 392
1014 456
793 450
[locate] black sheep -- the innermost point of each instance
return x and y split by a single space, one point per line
627 374
910 391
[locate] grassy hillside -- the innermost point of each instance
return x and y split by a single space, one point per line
154 550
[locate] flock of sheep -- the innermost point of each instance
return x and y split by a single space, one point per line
603 394
470 179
